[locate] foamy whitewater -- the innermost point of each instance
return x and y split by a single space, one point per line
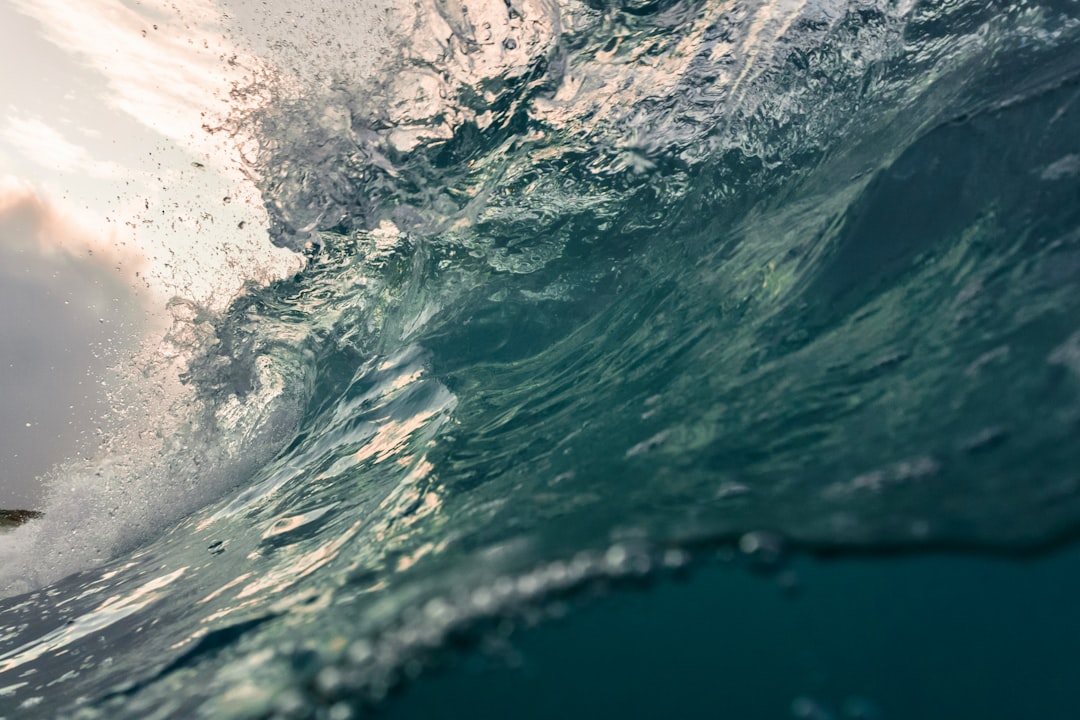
583 294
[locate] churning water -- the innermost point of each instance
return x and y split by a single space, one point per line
593 292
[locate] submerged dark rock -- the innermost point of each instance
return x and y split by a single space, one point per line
10 519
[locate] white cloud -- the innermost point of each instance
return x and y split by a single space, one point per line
50 230
165 64
46 146
180 196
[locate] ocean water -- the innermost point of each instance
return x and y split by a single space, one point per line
712 358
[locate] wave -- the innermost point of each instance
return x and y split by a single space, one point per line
752 246
588 286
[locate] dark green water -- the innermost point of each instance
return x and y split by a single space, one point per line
939 638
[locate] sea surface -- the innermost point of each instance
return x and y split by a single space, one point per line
695 358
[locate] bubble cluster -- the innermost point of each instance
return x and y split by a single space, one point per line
367 670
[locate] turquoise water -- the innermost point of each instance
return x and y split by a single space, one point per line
595 291
930 637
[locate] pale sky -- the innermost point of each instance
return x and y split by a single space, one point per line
113 197
105 122
112 200
63 319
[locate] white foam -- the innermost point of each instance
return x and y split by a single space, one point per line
135 179
168 454
155 169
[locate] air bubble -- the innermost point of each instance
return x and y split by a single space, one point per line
762 548
806 708
360 653
341 711
857 708
616 559
329 682
675 559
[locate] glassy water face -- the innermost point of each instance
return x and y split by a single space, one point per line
589 291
